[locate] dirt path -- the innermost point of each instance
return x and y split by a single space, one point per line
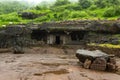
47 64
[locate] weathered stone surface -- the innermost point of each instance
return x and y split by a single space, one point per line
18 49
101 30
28 15
82 55
15 36
15 30
101 38
87 63
86 25
99 64
112 60
111 67
96 60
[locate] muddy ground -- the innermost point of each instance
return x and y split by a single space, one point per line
48 63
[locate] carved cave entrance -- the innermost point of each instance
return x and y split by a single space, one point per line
57 40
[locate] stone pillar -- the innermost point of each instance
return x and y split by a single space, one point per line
50 39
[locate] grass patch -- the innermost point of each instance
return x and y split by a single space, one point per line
105 45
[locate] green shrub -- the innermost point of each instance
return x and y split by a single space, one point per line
75 7
117 11
41 19
70 7
10 17
93 7
65 14
93 14
61 2
38 11
85 3
110 12
101 3
62 15
78 14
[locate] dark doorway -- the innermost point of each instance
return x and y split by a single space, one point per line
78 35
57 40
38 35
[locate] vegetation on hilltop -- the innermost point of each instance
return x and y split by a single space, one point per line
61 10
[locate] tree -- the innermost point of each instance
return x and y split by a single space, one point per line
107 3
100 3
12 6
42 6
113 2
85 3
61 2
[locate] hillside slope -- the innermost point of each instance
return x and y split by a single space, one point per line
61 10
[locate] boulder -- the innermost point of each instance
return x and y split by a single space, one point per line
99 64
82 55
28 15
87 63
112 60
111 65
96 60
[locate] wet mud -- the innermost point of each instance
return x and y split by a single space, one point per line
48 64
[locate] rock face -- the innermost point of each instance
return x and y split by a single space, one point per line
14 30
99 64
16 37
95 31
87 63
87 25
101 38
18 49
91 31
111 65
28 15
96 60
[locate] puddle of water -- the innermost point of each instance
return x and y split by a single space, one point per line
50 64
54 64
56 72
